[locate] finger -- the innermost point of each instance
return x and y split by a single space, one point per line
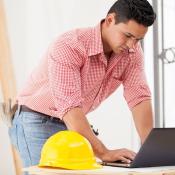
133 153
125 160
130 154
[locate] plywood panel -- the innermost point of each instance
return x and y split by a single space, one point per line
7 78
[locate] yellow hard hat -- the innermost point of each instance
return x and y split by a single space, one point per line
69 150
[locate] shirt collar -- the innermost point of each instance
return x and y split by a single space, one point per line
95 45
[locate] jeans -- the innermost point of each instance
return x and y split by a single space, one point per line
29 132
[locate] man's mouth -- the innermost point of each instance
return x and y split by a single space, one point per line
123 48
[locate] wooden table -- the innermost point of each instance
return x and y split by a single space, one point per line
170 170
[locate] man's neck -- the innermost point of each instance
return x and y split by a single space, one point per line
108 54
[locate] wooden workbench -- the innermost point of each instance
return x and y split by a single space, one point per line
170 170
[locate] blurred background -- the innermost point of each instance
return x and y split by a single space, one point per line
28 26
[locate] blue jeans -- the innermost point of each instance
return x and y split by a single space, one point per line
29 132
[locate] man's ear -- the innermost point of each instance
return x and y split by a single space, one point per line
110 19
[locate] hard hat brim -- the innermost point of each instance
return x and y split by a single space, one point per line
82 166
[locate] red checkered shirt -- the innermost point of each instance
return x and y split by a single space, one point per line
75 73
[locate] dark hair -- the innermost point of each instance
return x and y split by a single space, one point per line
138 10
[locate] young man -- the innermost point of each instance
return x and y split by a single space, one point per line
80 70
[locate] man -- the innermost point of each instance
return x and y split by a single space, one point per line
80 70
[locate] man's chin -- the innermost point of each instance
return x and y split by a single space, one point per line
120 50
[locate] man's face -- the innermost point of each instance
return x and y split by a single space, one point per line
122 36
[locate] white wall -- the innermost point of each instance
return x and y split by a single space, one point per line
169 41
16 23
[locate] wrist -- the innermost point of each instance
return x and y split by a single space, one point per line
100 150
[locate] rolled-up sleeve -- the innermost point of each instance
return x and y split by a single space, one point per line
136 88
64 78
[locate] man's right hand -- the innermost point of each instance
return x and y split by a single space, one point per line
123 155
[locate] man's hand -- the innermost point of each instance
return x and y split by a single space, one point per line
123 155
76 120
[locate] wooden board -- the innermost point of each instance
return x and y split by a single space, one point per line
7 77
35 170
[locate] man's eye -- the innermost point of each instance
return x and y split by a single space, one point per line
128 36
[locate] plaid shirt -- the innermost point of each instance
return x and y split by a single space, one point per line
75 73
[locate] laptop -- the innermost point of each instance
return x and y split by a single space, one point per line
157 150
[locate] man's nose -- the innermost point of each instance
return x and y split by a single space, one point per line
130 43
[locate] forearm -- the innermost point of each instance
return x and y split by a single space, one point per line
76 120
143 118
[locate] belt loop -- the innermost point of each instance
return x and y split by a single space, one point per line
19 110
